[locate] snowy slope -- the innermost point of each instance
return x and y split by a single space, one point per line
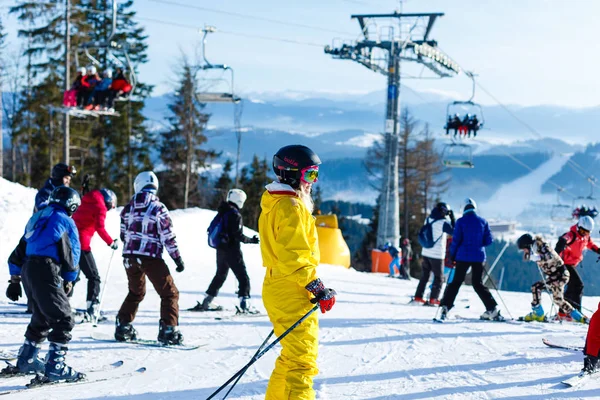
373 345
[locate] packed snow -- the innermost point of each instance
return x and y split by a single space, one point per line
372 344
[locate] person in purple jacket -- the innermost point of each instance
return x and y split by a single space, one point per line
471 235
146 229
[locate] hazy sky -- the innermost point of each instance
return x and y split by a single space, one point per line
525 52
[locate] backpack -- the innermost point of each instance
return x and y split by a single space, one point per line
426 235
216 234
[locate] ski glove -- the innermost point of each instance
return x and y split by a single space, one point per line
13 291
254 240
180 265
68 287
323 295
115 244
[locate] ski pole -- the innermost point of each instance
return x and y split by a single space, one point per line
496 261
97 313
261 353
497 291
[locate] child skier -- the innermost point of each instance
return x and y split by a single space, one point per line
146 228
89 219
557 276
46 259
229 255
570 246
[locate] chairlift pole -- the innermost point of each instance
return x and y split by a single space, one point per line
67 136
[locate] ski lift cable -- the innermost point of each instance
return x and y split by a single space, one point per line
248 16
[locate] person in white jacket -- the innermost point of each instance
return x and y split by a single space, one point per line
441 222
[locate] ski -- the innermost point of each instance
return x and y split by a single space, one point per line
11 371
84 381
559 346
240 315
578 379
6 355
198 308
146 342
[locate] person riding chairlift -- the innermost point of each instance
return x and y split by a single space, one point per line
92 79
473 125
120 87
80 86
101 92
453 123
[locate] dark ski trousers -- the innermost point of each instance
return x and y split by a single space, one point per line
477 282
87 264
51 309
574 292
230 259
137 269
428 266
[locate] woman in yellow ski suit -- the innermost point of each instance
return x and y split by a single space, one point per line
290 252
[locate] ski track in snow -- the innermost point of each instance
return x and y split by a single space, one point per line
372 344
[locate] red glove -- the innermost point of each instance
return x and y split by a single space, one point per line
323 295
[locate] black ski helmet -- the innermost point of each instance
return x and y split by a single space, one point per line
525 241
444 208
290 160
61 170
67 198
110 198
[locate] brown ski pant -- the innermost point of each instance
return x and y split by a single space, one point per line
156 270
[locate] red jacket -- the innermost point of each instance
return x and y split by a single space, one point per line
573 252
89 219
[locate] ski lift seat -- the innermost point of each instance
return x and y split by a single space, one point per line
208 97
457 155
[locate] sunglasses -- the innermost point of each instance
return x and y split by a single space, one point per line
310 174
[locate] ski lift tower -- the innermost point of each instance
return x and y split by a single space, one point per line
382 48
223 97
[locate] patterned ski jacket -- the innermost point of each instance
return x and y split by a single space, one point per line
146 228
549 261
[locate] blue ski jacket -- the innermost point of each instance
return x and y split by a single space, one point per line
43 195
49 233
471 235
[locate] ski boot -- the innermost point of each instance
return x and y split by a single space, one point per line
28 361
208 305
169 335
56 368
444 313
492 315
432 303
246 307
590 365
92 311
579 317
537 314
417 301
124 332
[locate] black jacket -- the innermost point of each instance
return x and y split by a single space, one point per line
233 226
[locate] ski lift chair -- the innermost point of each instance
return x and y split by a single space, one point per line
457 155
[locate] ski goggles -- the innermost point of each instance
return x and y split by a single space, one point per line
310 174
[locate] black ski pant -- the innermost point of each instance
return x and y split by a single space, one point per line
574 292
230 259
87 264
51 309
428 266
477 281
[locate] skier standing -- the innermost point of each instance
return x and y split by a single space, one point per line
47 259
396 259
570 246
290 252
433 257
146 228
592 345
229 254
557 276
90 218
60 176
471 235
407 253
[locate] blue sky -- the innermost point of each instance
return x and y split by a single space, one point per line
525 52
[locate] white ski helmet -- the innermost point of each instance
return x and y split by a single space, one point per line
107 73
92 70
586 222
237 197
144 179
82 70
470 202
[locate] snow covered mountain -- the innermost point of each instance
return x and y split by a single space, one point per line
372 344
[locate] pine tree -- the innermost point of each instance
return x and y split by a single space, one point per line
253 180
181 145
222 185
429 170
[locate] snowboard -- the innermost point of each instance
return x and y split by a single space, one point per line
102 337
